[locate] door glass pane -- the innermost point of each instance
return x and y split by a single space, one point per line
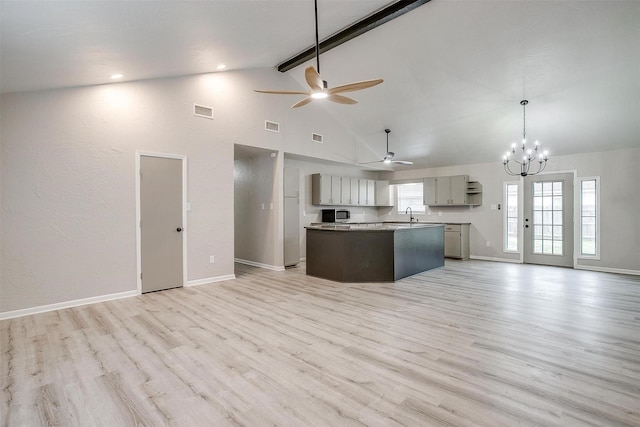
537 217
557 218
547 217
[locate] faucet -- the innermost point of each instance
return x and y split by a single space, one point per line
410 213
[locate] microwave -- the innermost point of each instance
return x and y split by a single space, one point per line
335 215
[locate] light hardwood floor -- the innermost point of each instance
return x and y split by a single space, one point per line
472 343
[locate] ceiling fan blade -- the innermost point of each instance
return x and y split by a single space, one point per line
341 99
368 163
313 79
282 92
305 101
355 86
402 162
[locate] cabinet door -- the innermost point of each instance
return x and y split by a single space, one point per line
336 183
371 192
443 190
382 193
325 189
458 190
429 191
452 244
345 191
355 183
362 192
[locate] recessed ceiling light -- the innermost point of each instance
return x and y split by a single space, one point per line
117 76
221 67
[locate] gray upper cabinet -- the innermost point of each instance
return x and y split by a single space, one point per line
355 189
347 191
383 197
451 191
367 192
348 195
325 189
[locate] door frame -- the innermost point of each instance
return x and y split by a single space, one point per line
183 158
576 212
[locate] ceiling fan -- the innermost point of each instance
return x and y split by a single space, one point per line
388 158
318 88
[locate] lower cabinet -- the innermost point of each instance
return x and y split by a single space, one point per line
456 241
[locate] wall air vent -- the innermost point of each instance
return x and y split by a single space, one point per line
203 111
316 138
271 126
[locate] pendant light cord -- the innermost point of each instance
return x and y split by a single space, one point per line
315 2
524 103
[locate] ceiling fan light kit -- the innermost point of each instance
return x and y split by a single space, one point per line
528 155
318 88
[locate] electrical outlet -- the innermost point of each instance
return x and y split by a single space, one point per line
188 206
439 213
211 259
488 244
263 206
271 206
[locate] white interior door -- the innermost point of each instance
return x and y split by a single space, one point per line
548 219
161 223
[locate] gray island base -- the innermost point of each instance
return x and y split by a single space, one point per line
381 253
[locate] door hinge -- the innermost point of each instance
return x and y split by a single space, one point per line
140 276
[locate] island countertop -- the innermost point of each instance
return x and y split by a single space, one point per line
377 226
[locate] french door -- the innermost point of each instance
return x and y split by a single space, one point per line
548 219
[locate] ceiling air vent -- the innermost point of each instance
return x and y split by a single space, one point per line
316 138
271 126
203 111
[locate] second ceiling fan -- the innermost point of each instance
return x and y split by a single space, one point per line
318 88
388 158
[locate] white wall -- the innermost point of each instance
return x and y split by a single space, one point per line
619 210
68 175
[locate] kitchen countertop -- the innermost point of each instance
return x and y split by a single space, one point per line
372 226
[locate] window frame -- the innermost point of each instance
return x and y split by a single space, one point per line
423 211
505 217
580 216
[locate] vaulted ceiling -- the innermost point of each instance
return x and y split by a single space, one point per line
454 71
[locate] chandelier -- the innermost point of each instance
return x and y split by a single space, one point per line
529 156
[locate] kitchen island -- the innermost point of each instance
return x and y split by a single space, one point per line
377 252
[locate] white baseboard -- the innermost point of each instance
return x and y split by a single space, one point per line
488 258
608 270
208 280
66 304
259 264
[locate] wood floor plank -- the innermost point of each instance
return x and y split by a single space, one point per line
473 343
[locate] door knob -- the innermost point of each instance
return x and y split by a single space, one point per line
179 229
